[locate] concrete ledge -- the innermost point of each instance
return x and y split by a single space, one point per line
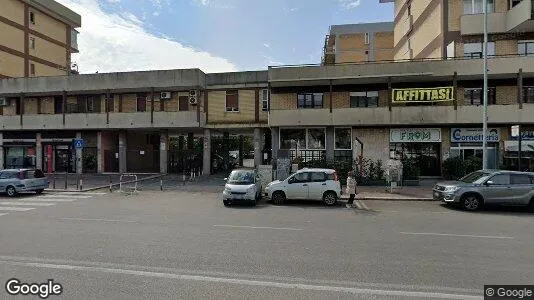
388 198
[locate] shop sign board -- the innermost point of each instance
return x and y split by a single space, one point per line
436 94
474 135
513 146
415 135
526 135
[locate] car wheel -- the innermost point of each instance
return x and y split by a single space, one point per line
279 198
530 206
330 198
226 203
471 202
11 191
39 191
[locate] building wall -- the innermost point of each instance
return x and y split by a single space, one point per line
375 142
48 51
47 105
217 107
456 9
11 65
49 26
12 37
284 101
13 10
45 70
427 31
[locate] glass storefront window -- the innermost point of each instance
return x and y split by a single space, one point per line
316 138
343 138
427 156
20 157
290 137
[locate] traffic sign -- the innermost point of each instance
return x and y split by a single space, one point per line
515 130
78 143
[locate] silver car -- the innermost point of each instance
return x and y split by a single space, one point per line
242 186
488 187
14 181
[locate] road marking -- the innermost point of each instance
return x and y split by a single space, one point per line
358 205
364 205
458 235
100 220
258 227
7 208
63 196
3 214
123 270
26 203
47 199
77 193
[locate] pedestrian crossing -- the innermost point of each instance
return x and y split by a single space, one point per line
24 203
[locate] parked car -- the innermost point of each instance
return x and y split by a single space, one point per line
488 187
311 184
14 181
242 186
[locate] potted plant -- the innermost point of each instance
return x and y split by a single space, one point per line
410 172
376 173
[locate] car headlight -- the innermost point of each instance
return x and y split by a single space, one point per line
227 190
451 189
250 190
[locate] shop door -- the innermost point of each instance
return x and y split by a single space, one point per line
64 159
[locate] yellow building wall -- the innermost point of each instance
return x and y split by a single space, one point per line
506 47
11 37
13 10
456 10
11 109
217 107
383 40
506 95
351 42
47 105
129 103
352 56
381 55
30 106
49 51
49 26
427 32
11 65
44 70
283 101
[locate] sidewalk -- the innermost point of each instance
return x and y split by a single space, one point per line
406 193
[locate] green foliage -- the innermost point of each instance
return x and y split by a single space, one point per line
379 169
410 169
89 162
456 167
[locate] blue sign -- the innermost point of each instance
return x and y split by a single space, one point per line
474 135
526 135
78 144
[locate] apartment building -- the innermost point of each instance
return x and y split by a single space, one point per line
454 28
38 38
357 43
154 121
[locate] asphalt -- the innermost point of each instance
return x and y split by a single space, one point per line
187 245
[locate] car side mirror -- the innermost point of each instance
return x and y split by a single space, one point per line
225 179
489 182
291 180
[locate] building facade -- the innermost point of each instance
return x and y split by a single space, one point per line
38 38
358 43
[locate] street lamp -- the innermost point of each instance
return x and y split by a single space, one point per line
485 104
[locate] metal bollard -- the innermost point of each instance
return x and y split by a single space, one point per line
66 180
110 184
77 182
161 183
54 181
81 184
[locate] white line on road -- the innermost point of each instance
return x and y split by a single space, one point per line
100 220
364 205
47 199
257 227
78 193
3 214
246 282
7 208
458 235
16 203
63 196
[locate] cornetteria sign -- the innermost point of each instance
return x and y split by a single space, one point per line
474 135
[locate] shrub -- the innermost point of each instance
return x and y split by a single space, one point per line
453 168
89 163
410 169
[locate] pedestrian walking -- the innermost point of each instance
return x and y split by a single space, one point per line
351 188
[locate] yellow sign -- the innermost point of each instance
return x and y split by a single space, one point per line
423 95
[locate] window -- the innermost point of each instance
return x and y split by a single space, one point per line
342 137
310 100
317 177
85 104
367 38
32 17
265 100
528 94
513 3
289 138
141 102
110 103
525 47
500 179
364 99
520 179
32 43
473 96
232 101
475 50
301 177
477 7
316 139
32 69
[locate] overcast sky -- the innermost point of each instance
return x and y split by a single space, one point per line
213 35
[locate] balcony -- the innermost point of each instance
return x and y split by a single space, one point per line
141 120
401 116
74 40
518 19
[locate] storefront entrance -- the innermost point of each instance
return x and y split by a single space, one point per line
427 156
65 159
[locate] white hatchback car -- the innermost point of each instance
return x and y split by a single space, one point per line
312 184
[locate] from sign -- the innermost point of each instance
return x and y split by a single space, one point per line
474 135
415 135
423 95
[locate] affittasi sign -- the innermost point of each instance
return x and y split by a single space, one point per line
437 94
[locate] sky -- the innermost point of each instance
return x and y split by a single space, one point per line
213 35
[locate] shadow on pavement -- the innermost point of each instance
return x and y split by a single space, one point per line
522 211
310 204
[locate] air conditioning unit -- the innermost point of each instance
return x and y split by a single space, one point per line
165 95
3 101
193 97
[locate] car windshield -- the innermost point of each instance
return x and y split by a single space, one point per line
475 177
241 177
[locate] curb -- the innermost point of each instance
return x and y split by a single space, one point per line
389 199
102 186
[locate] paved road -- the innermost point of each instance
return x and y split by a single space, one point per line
162 245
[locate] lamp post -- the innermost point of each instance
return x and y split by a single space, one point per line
485 104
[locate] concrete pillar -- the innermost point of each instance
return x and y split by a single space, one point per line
241 154
330 143
163 144
2 166
257 147
79 162
122 152
206 158
275 142
38 151
99 153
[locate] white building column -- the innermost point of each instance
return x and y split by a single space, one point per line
1 150
99 153
163 144
38 151
206 158
79 162
122 152
257 147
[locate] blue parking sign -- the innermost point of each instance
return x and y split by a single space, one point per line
78 144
